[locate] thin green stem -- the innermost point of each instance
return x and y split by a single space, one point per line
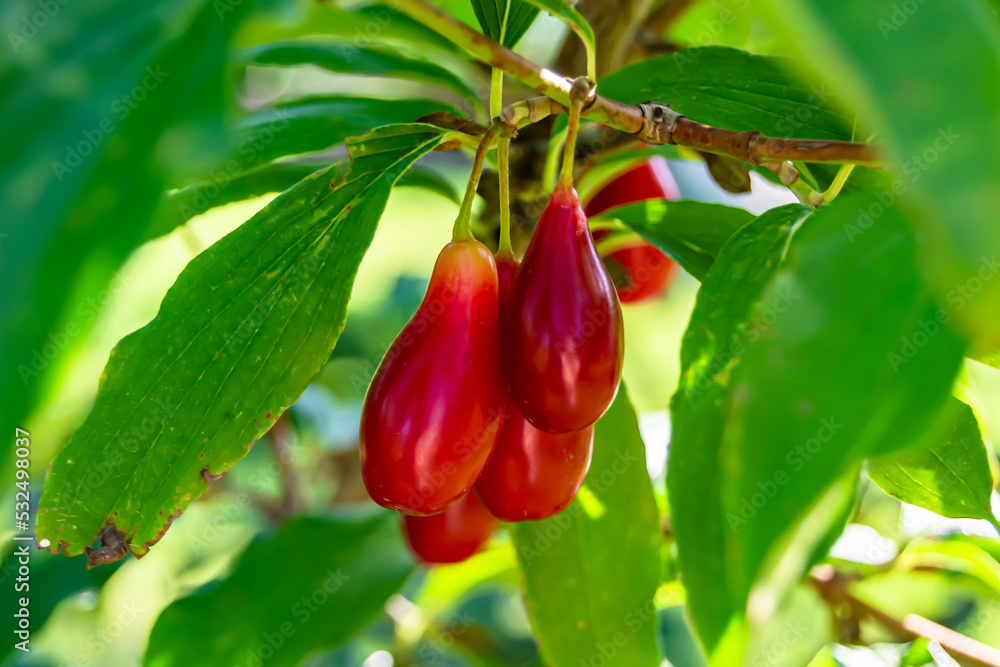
653 123
503 149
496 92
838 182
569 150
463 223
578 95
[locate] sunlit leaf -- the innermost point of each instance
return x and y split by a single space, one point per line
84 161
928 80
950 476
721 326
346 56
239 336
843 373
691 232
590 573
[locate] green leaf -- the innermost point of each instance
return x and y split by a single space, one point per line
519 16
83 171
316 124
733 89
563 10
351 58
380 24
720 328
181 205
950 476
591 572
929 82
846 371
691 232
239 336
954 555
311 586
53 580
429 180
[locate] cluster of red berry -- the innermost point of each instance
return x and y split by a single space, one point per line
483 408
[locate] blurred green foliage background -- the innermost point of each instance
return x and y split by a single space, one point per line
466 614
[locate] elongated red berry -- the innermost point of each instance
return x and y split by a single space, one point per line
431 415
642 271
563 340
451 536
650 179
532 474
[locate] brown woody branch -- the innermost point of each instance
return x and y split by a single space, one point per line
833 587
653 123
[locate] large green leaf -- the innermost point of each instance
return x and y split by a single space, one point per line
353 58
591 572
311 586
179 206
504 21
316 124
239 336
733 89
691 232
103 105
721 327
563 10
950 476
861 365
375 23
929 81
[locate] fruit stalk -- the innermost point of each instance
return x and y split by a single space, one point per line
463 225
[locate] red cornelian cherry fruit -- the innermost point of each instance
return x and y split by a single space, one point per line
532 474
642 271
563 333
451 536
431 416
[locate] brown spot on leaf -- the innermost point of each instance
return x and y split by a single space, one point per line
113 548
209 477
